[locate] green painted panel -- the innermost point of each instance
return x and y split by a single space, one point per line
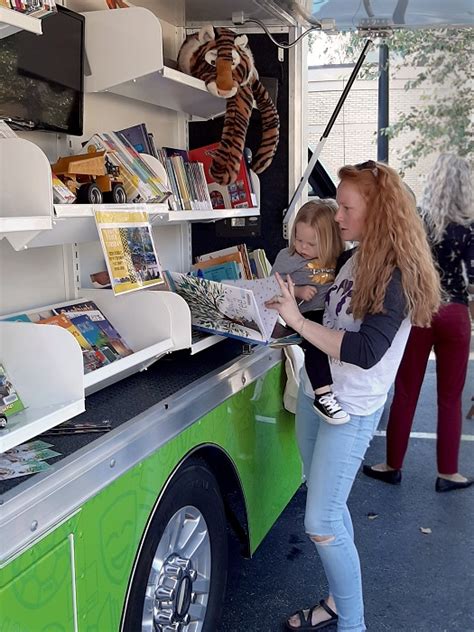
251 427
39 598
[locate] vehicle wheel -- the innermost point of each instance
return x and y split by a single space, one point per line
178 584
118 195
89 194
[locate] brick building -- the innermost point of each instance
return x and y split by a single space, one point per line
353 138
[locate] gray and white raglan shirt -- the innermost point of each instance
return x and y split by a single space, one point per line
371 348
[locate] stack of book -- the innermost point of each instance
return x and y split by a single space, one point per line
141 183
100 342
229 263
34 8
187 180
261 267
189 177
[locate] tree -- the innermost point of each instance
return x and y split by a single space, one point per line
442 121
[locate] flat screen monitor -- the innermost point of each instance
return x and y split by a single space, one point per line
42 76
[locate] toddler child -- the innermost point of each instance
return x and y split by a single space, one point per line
310 260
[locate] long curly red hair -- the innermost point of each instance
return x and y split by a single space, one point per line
394 238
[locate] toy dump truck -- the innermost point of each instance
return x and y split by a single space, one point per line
92 178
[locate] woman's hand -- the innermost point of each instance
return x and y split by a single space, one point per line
285 303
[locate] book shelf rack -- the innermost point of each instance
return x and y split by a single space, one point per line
12 21
26 191
136 69
29 219
45 365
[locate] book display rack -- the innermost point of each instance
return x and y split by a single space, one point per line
50 248
137 70
12 21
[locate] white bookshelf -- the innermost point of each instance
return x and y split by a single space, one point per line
12 21
152 323
26 191
28 218
134 66
45 365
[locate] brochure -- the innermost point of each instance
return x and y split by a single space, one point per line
130 254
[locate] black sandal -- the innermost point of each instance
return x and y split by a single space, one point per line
306 617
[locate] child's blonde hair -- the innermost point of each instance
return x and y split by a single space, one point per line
320 214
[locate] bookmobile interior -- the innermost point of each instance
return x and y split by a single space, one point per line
127 529
198 438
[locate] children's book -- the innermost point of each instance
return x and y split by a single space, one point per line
235 195
94 336
232 257
218 272
137 136
232 308
93 358
259 263
240 253
62 321
129 250
90 309
10 402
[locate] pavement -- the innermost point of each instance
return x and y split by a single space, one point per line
413 581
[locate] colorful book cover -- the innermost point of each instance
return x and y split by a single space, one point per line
62 321
21 318
235 195
137 136
235 309
91 332
10 402
129 250
219 272
90 309
244 258
234 257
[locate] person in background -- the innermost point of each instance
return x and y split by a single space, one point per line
310 259
382 286
447 211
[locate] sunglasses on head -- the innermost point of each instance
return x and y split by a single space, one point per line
370 165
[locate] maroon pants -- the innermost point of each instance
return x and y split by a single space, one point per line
449 336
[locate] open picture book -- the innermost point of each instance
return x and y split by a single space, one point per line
229 308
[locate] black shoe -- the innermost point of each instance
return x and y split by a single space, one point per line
394 477
443 485
328 407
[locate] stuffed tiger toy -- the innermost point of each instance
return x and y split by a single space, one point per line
223 60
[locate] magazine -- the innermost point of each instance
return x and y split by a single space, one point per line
129 251
232 308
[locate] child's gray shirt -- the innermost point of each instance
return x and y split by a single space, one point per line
302 272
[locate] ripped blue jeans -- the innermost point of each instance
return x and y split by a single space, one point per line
331 458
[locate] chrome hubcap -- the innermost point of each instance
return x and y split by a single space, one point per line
178 585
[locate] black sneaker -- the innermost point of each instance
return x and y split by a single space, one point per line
328 407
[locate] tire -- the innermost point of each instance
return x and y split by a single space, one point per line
118 195
89 194
178 584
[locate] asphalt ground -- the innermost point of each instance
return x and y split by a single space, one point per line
413 581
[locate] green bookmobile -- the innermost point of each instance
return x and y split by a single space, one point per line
128 530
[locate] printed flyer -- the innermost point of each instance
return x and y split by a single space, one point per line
130 254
